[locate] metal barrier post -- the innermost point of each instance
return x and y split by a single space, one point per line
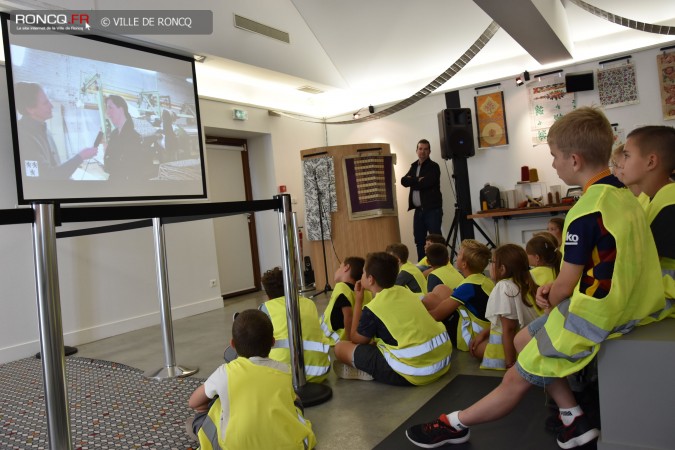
51 327
310 393
170 369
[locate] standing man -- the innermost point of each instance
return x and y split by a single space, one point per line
424 181
39 154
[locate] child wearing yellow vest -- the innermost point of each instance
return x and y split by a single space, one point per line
544 258
336 320
411 347
252 389
510 308
315 344
607 284
442 271
408 274
431 238
648 160
462 310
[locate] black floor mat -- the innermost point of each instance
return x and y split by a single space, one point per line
523 429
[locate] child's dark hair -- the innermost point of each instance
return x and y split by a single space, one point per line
356 264
273 283
383 267
545 246
253 334
435 238
659 139
476 255
514 260
559 222
399 250
437 255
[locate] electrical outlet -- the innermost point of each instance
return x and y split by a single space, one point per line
212 283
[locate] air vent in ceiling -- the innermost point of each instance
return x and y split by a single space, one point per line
310 90
257 27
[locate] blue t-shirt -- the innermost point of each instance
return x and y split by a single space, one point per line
473 297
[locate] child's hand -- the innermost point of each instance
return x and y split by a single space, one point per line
358 291
542 296
475 342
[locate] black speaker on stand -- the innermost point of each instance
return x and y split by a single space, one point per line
456 132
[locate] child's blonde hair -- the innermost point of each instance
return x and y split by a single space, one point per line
476 255
585 131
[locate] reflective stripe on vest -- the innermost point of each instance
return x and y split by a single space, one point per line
493 362
405 369
306 345
328 332
423 348
305 441
467 335
210 432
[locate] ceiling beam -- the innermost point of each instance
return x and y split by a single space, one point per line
539 26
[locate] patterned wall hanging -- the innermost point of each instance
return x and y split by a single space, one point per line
369 185
491 120
549 101
617 86
666 68
319 182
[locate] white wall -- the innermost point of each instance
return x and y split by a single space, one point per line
498 166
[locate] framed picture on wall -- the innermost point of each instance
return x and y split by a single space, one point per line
491 120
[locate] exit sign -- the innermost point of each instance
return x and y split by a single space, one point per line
239 114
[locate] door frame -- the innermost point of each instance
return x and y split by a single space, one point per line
253 236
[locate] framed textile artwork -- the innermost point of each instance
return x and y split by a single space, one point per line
549 101
369 186
320 198
491 120
666 70
617 86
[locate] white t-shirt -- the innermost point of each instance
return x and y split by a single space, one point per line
505 301
216 384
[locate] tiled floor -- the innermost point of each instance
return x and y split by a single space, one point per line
359 415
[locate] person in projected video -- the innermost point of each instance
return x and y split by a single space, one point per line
39 154
125 159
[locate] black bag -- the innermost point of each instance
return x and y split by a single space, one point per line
490 197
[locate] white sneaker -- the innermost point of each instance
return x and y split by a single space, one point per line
348 372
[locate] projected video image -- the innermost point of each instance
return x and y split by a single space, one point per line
96 120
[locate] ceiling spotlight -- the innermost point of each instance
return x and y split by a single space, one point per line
371 109
356 115
522 78
199 58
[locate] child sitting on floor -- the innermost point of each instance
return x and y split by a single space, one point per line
510 308
315 344
442 271
544 258
252 389
408 274
336 320
462 310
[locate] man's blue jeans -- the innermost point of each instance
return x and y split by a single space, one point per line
426 221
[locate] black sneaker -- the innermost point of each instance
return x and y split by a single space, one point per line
578 433
554 423
435 434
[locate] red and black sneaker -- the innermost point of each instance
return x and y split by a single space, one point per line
578 433
437 433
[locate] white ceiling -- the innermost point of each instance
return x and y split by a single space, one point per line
363 52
